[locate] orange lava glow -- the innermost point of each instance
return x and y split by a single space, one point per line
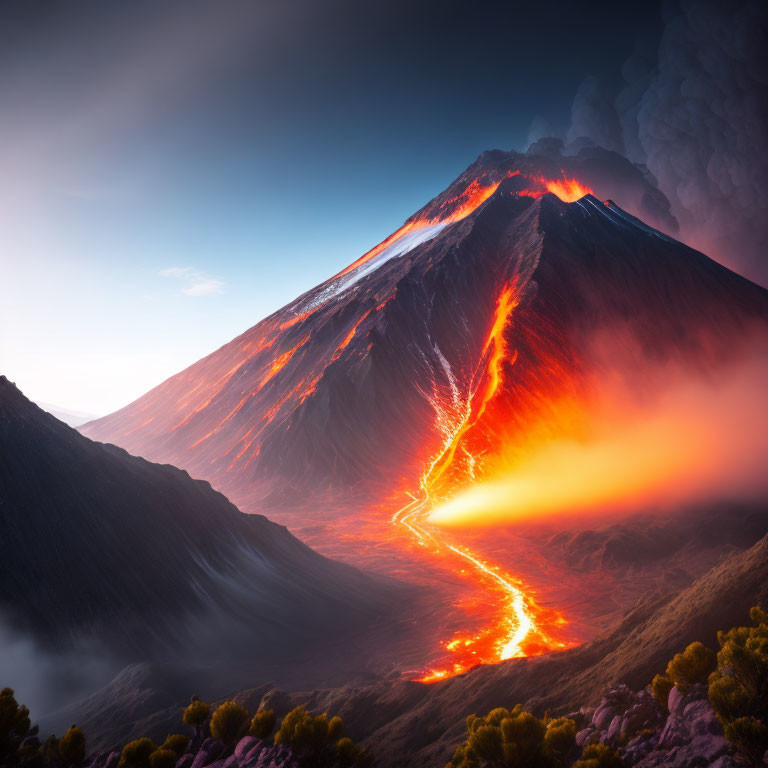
569 190
518 627
459 207
470 199
348 338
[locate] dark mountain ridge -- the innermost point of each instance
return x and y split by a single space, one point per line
136 561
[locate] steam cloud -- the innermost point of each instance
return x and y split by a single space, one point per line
668 440
694 111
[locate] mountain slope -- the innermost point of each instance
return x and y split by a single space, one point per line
350 387
136 561
410 724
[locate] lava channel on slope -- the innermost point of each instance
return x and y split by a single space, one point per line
517 625
506 620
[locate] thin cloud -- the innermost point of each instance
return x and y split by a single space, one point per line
194 281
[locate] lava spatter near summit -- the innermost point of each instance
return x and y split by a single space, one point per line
386 388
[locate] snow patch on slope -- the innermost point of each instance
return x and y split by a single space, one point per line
405 243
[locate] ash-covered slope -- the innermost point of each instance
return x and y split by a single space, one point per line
350 386
104 551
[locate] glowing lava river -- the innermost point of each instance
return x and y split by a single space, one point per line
516 629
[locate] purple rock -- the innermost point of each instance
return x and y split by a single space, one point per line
209 751
603 716
701 718
614 729
582 736
675 732
245 745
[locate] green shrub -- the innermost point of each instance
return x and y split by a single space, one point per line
163 758
661 685
176 742
315 739
750 736
50 750
599 756
196 715
72 747
487 743
263 724
229 723
349 754
515 738
136 753
738 688
560 740
14 725
693 665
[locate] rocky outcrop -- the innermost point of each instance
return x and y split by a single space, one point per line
687 734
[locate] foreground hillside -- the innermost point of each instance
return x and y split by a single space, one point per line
412 724
633 692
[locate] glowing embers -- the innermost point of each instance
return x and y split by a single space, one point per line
569 190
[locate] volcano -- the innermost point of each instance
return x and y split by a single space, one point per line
352 386
389 385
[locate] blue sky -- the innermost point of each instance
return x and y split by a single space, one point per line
174 172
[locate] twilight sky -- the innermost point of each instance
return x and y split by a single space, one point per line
172 172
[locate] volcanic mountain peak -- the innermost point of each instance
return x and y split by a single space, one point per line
387 339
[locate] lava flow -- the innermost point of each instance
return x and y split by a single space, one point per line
516 629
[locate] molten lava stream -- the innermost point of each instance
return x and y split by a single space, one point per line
517 627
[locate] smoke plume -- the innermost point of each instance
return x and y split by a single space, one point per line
693 109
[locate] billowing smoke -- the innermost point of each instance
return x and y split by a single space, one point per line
694 110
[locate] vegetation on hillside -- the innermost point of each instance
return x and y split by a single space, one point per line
737 683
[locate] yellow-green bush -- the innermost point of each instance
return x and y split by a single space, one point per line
229 723
349 754
738 688
196 715
661 685
516 739
163 758
263 724
72 747
693 665
136 753
176 742
315 739
560 740
14 724
50 750
599 756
